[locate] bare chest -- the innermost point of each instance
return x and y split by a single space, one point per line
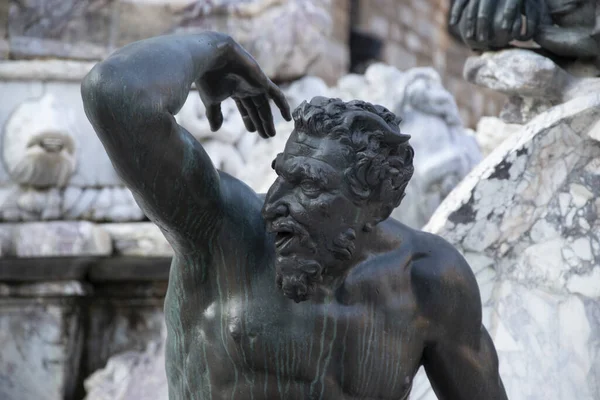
269 344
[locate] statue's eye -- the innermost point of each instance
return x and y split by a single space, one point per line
309 187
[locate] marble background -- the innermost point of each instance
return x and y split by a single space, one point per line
527 220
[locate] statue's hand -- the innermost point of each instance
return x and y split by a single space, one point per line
492 24
240 77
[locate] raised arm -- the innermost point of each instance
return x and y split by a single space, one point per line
459 357
130 99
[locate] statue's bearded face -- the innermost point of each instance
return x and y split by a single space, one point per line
309 209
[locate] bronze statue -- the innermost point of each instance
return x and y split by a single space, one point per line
309 292
563 28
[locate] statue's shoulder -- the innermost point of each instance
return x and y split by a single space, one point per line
423 247
444 284
433 248
424 267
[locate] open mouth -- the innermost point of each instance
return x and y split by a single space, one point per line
282 238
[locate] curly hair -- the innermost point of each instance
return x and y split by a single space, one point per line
380 155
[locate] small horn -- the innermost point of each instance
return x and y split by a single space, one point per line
374 122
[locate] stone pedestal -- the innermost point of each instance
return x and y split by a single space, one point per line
122 316
73 295
42 337
532 83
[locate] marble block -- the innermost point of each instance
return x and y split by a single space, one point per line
132 375
54 239
126 319
141 239
532 82
55 333
527 220
42 339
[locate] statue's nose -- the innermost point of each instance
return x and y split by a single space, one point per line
275 210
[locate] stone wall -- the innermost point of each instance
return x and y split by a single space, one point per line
415 34
287 38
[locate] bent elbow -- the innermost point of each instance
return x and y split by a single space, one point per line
94 84
106 83
105 103
98 91
108 93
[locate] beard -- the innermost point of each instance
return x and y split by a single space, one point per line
299 272
297 277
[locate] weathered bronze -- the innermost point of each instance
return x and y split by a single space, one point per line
311 292
563 28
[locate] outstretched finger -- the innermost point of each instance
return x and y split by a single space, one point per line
280 101
457 9
484 18
245 117
472 12
264 113
512 8
214 116
532 19
516 28
253 113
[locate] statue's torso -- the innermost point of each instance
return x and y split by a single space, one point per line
238 337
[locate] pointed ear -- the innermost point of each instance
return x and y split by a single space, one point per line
379 213
384 212
381 210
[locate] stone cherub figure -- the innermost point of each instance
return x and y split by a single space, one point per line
311 292
564 29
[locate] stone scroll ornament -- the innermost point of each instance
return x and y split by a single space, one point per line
309 291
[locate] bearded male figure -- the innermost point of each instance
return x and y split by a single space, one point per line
311 292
